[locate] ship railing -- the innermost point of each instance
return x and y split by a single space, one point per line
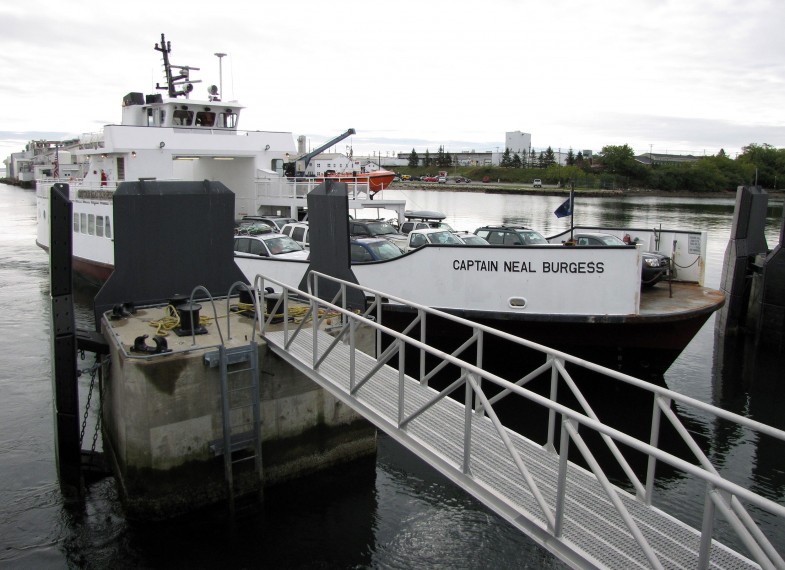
298 188
79 190
485 389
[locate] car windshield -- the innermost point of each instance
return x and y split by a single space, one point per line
444 237
473 240
385 250
380 229
282 244
531 237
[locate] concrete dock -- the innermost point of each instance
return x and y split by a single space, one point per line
163 423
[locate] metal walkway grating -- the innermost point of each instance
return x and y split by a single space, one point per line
593 533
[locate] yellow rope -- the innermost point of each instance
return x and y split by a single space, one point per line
171 319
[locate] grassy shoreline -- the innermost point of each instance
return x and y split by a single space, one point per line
522 189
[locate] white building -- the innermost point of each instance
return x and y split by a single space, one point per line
518 142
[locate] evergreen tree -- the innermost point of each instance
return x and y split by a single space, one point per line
541 160
722 154
506 159
550 157
570 158
516 161
524 159
427 160
440 156
414 160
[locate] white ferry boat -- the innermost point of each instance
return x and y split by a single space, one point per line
173 136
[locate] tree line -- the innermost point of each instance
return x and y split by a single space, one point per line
617 167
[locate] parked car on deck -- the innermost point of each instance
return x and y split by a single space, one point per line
277 246
471 239
298 231
419 238
655 265
423 219
277 222
376 228
511 235
363 250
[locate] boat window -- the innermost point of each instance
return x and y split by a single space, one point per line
76 223
161 117
182 117
227 120
91 224
150 117
120 168
99 226
83 223
205 119
108 228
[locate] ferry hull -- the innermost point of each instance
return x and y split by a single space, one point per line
644 348
643 345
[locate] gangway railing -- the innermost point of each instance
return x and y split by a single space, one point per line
534 485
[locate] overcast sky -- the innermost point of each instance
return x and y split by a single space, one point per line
681 76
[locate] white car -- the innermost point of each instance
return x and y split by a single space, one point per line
298 231
537 183
269 245
419 238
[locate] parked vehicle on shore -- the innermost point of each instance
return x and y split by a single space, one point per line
537 183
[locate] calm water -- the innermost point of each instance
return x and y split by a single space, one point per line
394 512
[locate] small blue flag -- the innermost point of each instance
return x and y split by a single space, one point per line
565 209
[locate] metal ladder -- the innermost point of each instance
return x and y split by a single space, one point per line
239 391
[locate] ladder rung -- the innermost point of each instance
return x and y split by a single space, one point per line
238 441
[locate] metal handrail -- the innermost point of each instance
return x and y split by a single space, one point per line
471 374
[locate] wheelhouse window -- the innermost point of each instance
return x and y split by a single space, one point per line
227 120
76 223
205 119
99 226
83 223
182 117
108 228
91 224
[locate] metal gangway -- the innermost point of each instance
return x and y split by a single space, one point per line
576 512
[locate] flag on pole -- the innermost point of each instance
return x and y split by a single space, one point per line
565 209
